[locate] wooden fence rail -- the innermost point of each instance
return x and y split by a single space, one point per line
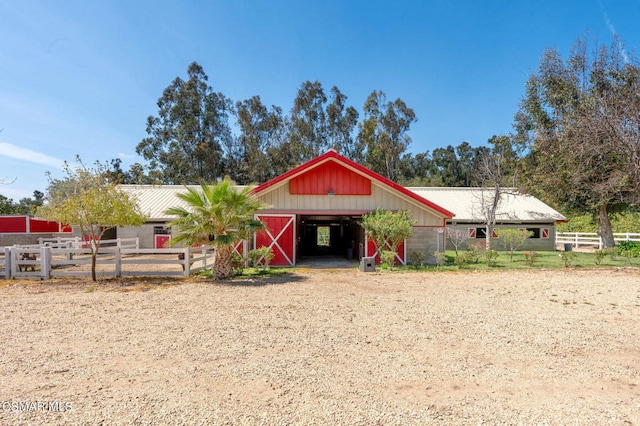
592 239
45 262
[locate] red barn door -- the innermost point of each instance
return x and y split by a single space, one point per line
280 235
401 255
161 241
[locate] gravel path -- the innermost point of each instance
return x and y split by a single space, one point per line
326 347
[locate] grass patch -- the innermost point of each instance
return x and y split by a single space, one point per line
251 272
543 260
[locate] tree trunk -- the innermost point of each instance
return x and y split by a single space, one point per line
94 255
488 236
222 268
604 228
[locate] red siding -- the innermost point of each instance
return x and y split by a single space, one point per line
330 176
13 224
40 225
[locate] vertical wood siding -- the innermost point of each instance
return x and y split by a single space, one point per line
330 177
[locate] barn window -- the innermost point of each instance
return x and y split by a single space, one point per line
481 233
535 231
161 230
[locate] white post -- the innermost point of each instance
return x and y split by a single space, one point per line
118 265
13 257
137 243
45 262
577 243
7 263
187 261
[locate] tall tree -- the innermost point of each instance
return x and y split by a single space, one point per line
341 122
383 133
580 120
187 137
260 129
466 163
446 163
220 212
308 123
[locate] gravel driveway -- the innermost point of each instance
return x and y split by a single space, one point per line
325 347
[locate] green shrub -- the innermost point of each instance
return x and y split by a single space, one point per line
261 256
530 257
441 257
599 255
476 251
568 257
388 257
465 258
417 258
237 263
490 257
629 249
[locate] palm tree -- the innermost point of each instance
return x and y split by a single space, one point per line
219 211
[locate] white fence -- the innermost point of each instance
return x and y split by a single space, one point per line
591 239
77 242
44 262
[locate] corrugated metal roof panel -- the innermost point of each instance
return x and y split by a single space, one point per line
467 204
154 200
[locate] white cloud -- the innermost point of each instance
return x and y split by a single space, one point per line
625 57
125 156
24 154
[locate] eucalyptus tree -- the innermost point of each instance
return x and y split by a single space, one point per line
383 133
308 123
341 122
580 121
260 130
446 162
187 138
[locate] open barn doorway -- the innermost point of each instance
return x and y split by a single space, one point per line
329 237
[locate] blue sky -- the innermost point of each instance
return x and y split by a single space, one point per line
81 77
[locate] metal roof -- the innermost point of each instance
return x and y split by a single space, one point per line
154 200
467 203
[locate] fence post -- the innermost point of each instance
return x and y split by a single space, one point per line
14 257
137 243
118 258
577 241
187 261
7 263
45 262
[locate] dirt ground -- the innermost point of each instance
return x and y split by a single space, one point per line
325 347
